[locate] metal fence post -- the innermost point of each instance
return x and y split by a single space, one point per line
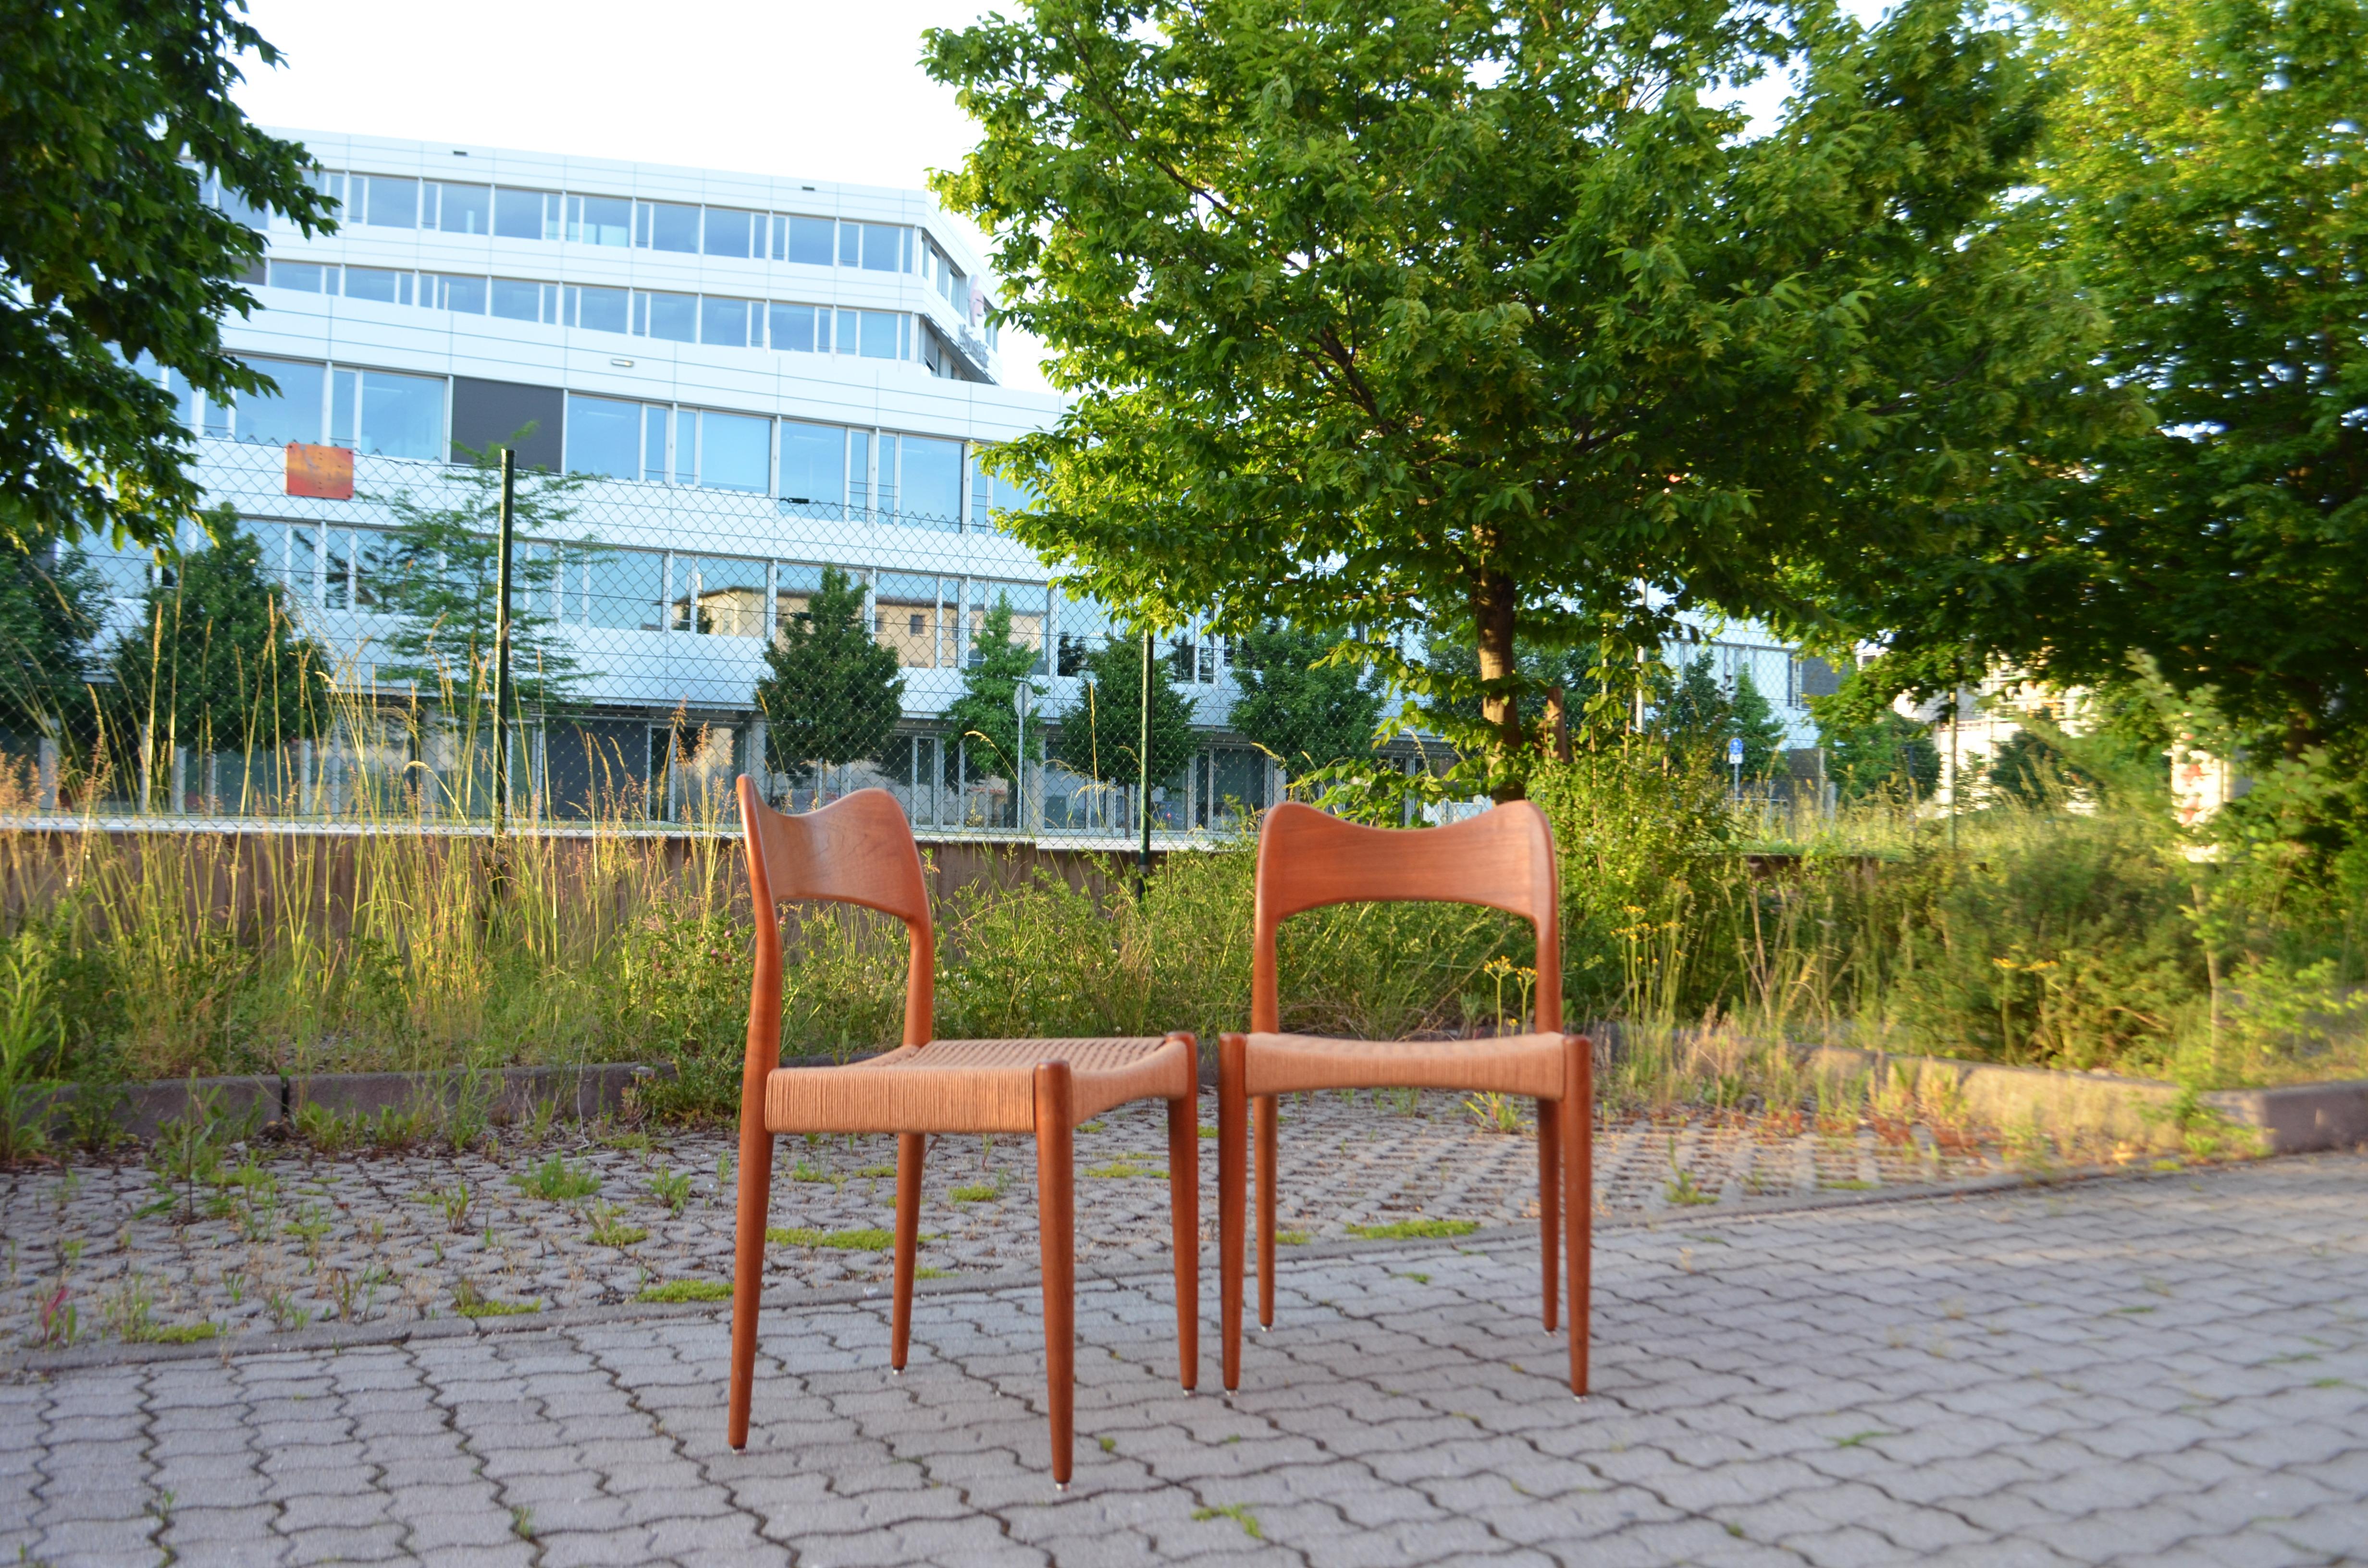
1143 769
502 646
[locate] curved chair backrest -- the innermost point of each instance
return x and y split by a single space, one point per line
857 849
1503 859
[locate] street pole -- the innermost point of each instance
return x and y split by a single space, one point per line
1020 697
1143 770
502 646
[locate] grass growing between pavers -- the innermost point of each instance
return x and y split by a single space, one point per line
687 1291
869 1238
1411 1229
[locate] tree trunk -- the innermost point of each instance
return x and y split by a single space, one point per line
1492 599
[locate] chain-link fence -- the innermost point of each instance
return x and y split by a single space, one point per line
336 661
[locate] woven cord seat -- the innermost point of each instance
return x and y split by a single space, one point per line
1504 859
860 850
976 1085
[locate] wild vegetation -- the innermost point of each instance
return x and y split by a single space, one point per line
2069 930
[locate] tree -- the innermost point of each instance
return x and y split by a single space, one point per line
831 694
1101 734
1388 313
983 718
437 574
2202 175
117 112
217 661
1881 752
1304 712
50 604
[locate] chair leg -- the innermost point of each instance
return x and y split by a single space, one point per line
1184 1220
1056 1237
1264 1113
1549 1201
1232 1159
748 1265
1579 1192
911 1149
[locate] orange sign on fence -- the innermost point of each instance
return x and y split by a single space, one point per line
326 473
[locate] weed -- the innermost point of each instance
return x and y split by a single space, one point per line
327 1132
1237 1511
1108 1445
671 1189
1290 1238
1121 1169
470 1303
1496 1112
310 1226
522 1521
687 1291
1412 1230
128 1309
183 1334
933 1273
1417 1278
1207 1131
285 1314
60 1320
805 1172
454 1203
877 1171
977 1192
1685 1190
1858 1439
608 1231
556 1181
29 1043
866 1239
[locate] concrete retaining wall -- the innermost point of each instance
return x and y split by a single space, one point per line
509 1093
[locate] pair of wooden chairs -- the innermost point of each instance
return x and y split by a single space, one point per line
860 850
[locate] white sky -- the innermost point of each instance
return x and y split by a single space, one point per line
810 87
801 87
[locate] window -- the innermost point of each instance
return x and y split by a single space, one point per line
304 277
526 215
884 247
123 573
402 416
604 438
518 299
345 393
735 451
660 431
933 483
291 414
851 245
814 466
445 291
674 317
377 283
622 587
599 221
388 203
858 472
596 310
729 596
462 209
725 320
487 415
910 613
793 329
1026 602
806 241
667 225
883 335
728 231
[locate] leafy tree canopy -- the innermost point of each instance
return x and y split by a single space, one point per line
49 612
114 113
1696 714
1102 732
831 693
983 718
217 661
1387 314
1306 709
2202 175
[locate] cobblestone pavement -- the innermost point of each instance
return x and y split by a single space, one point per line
285 1236
2164 1369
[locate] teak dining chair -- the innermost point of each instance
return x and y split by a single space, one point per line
1503 860
860 850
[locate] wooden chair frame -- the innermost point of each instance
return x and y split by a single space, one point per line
1503 860
860 850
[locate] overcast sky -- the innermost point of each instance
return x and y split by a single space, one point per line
834 90
805 87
